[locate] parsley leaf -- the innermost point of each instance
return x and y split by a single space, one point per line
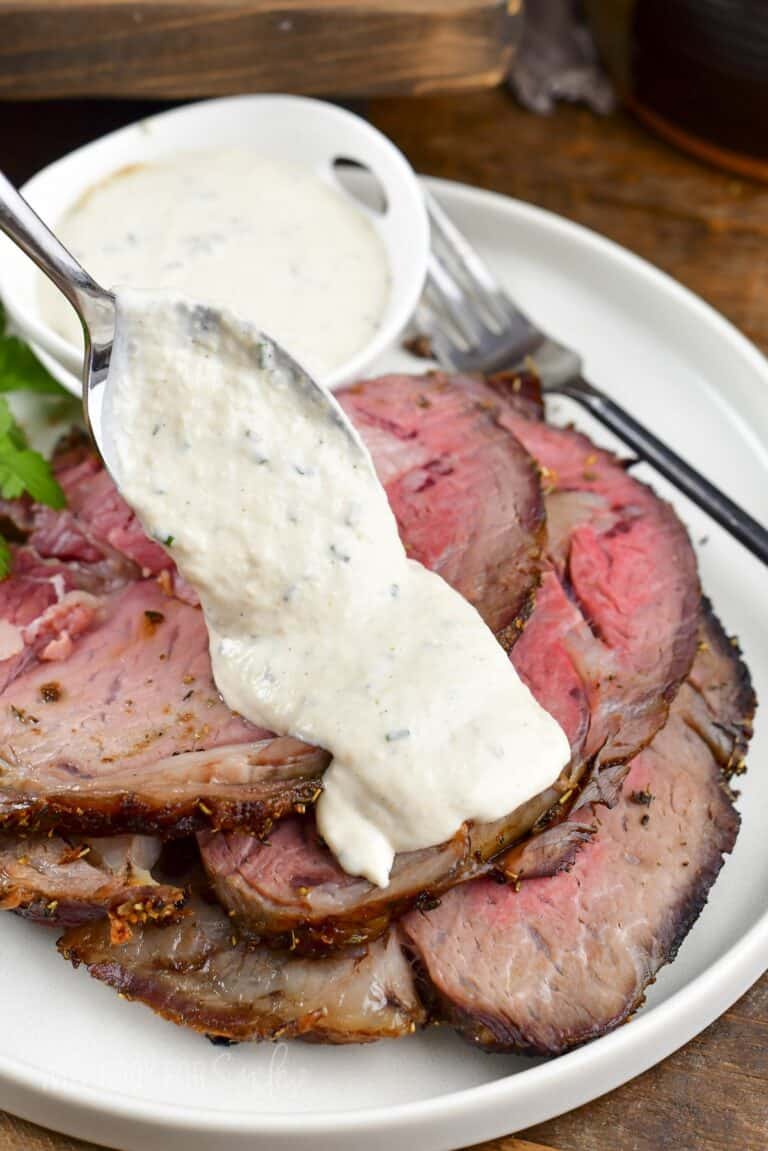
27 471
20 369
22 470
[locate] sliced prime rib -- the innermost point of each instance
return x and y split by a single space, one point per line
64 574
97 526
540 969
198 974
561 960
109 718
611 637
64 883
128 733
42 611
466 498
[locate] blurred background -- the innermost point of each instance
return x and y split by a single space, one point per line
695 71
646 120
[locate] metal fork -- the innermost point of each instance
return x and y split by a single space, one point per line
475 327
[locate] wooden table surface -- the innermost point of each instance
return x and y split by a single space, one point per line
710 231
166 49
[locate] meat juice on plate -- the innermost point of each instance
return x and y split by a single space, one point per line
320 626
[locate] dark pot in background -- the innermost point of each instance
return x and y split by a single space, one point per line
696 71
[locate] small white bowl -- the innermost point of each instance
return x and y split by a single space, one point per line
290 129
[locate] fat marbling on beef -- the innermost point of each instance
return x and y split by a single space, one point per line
197 973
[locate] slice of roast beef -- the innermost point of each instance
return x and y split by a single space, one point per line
43 608
564 959
466 497
128 733
61 572
626 560
97 525
196 973
612 635
63 883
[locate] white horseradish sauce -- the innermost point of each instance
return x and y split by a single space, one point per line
319 625
273 242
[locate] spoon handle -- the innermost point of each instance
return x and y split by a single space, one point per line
648 447
23 225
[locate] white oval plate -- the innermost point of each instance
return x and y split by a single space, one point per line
76 1057
288 129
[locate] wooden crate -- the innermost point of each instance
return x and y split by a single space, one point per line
172 49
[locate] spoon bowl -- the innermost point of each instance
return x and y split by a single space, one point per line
98 313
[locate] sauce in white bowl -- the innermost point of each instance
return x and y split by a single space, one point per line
273 242
287 131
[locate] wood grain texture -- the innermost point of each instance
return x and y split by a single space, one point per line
17 1135
182 48
711 232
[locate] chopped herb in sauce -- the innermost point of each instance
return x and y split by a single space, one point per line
394 736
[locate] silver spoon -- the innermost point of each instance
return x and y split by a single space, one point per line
94 306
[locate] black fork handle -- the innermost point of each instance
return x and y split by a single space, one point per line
648 447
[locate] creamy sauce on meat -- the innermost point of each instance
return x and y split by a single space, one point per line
320 626
277 244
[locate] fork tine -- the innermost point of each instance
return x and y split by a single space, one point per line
446 353
475 271
454 301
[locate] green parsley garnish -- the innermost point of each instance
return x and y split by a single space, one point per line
168 541
22 470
